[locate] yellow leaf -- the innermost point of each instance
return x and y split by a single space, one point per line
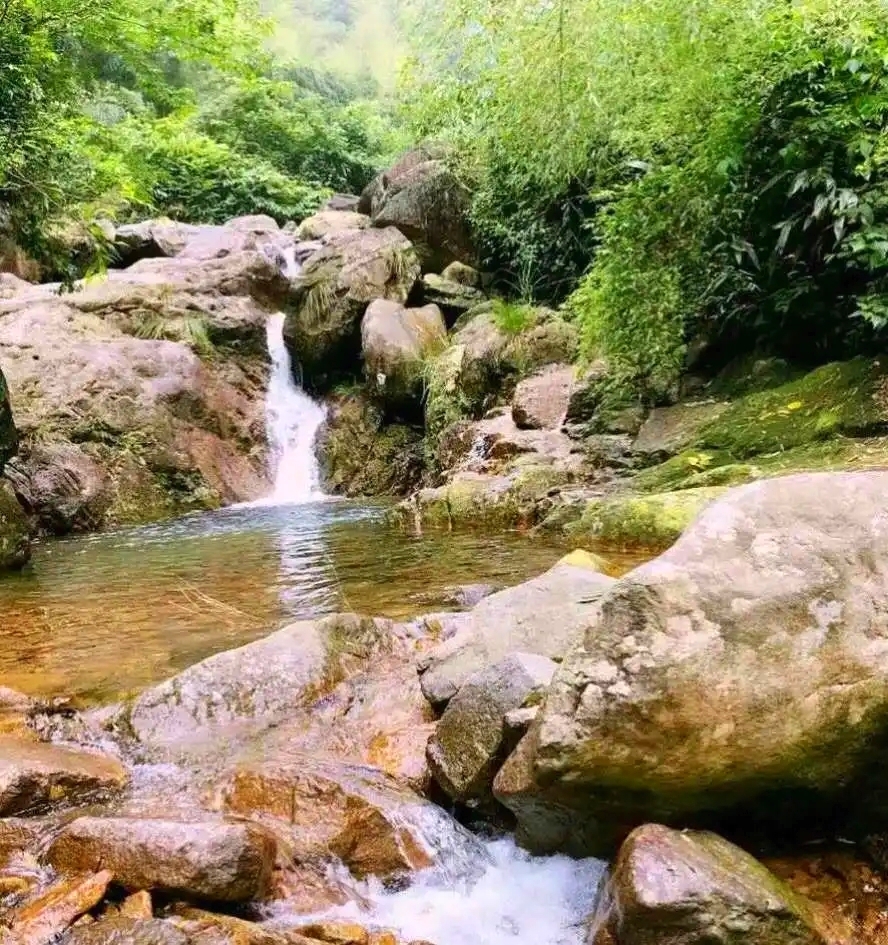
795 405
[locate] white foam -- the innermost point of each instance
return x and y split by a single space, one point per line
515 899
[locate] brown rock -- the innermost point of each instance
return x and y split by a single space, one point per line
325 222
336 933
138 905
540 402
18 835
206 860
36 775
123 930
209 928
357 813
45 917
693 888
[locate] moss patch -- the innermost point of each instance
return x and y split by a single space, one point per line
633 521
842 399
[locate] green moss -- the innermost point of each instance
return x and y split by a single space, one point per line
845 398
676 472
512 318
633 521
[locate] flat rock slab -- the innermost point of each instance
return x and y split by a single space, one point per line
207 860
35 775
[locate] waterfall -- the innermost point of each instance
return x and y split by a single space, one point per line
292 420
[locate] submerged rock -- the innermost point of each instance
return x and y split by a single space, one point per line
35 775
204 860
469 742
738 678
695 888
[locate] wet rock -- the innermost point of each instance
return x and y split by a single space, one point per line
336 933
325 222
15 546
18 834
209 928
468 743
35 775
204 860
669 430
362 455
543 616
422 198
245 691
61 487
42 919
352 269
372 823
540 402
395 343
124 930
751 649
695 888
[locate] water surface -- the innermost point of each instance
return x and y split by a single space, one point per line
105 615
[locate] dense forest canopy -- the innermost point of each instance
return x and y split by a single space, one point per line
703 173
676 169
123 109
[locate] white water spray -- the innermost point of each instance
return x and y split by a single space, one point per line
292 420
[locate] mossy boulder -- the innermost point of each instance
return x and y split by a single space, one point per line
847 398
635 521
352 269
693 887
361 455
8 434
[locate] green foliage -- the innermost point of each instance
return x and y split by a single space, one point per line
731 155
513 317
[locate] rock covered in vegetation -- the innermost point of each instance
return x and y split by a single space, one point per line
423 198
35 776
359 455
204 860
395 344
454 298
15 546
469 741
542 616
351 269
759 628
8 432
692 888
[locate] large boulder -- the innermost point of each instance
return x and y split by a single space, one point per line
540 402
453 298
204 860
695 888
250 689
61 486
325 222
543 616
738 678
424 199
352 269
470 739
362 455
395 344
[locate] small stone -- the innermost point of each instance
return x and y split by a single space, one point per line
138 905
40 920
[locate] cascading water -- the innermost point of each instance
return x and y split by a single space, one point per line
292 421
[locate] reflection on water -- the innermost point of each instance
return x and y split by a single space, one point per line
108 614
